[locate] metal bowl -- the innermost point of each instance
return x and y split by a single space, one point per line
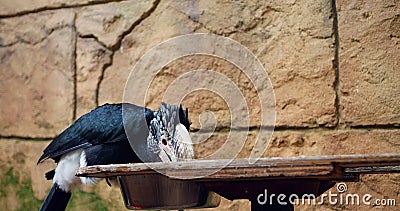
156 191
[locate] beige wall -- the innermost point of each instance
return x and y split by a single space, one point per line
334 69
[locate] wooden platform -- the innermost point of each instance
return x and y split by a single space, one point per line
241 179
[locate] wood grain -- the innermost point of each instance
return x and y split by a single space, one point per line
321 167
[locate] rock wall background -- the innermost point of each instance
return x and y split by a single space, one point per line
334 66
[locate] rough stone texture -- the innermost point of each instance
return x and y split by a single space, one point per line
295 67
294 40
108 22
308 143
37 86
91 59
327 142
165 23
369 62
23 185
12 7
20 157
34 28
213 101
377 185
286 47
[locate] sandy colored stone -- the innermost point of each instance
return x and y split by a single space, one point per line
287 49
111 195
11 7
34 28
362 142
209 99
305 143
369 62
340 142
379 186
321 143
292 39
36 76
21 157
108 22
91 58
302 76
163 23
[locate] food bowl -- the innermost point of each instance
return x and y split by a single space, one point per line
157 191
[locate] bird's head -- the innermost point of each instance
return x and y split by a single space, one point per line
169 134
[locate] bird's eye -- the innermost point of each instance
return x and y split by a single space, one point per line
164 141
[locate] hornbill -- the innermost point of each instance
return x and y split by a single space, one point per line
100 137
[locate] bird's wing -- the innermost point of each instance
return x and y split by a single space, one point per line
102 125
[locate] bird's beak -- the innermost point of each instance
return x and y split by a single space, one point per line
166 153
184 146
181 150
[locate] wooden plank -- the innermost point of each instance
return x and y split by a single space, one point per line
231 173
323 167
373 169
254 173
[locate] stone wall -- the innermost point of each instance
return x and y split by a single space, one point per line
334 66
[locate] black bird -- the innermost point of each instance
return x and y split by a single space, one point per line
101 136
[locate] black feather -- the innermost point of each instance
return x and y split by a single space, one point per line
111 153
50 174
103 135
57 199
184 117
100 126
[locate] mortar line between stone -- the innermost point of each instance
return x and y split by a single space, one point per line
46 8
251 129
222 130
97 92
73 67
118 44
143 17
336 83
27 138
